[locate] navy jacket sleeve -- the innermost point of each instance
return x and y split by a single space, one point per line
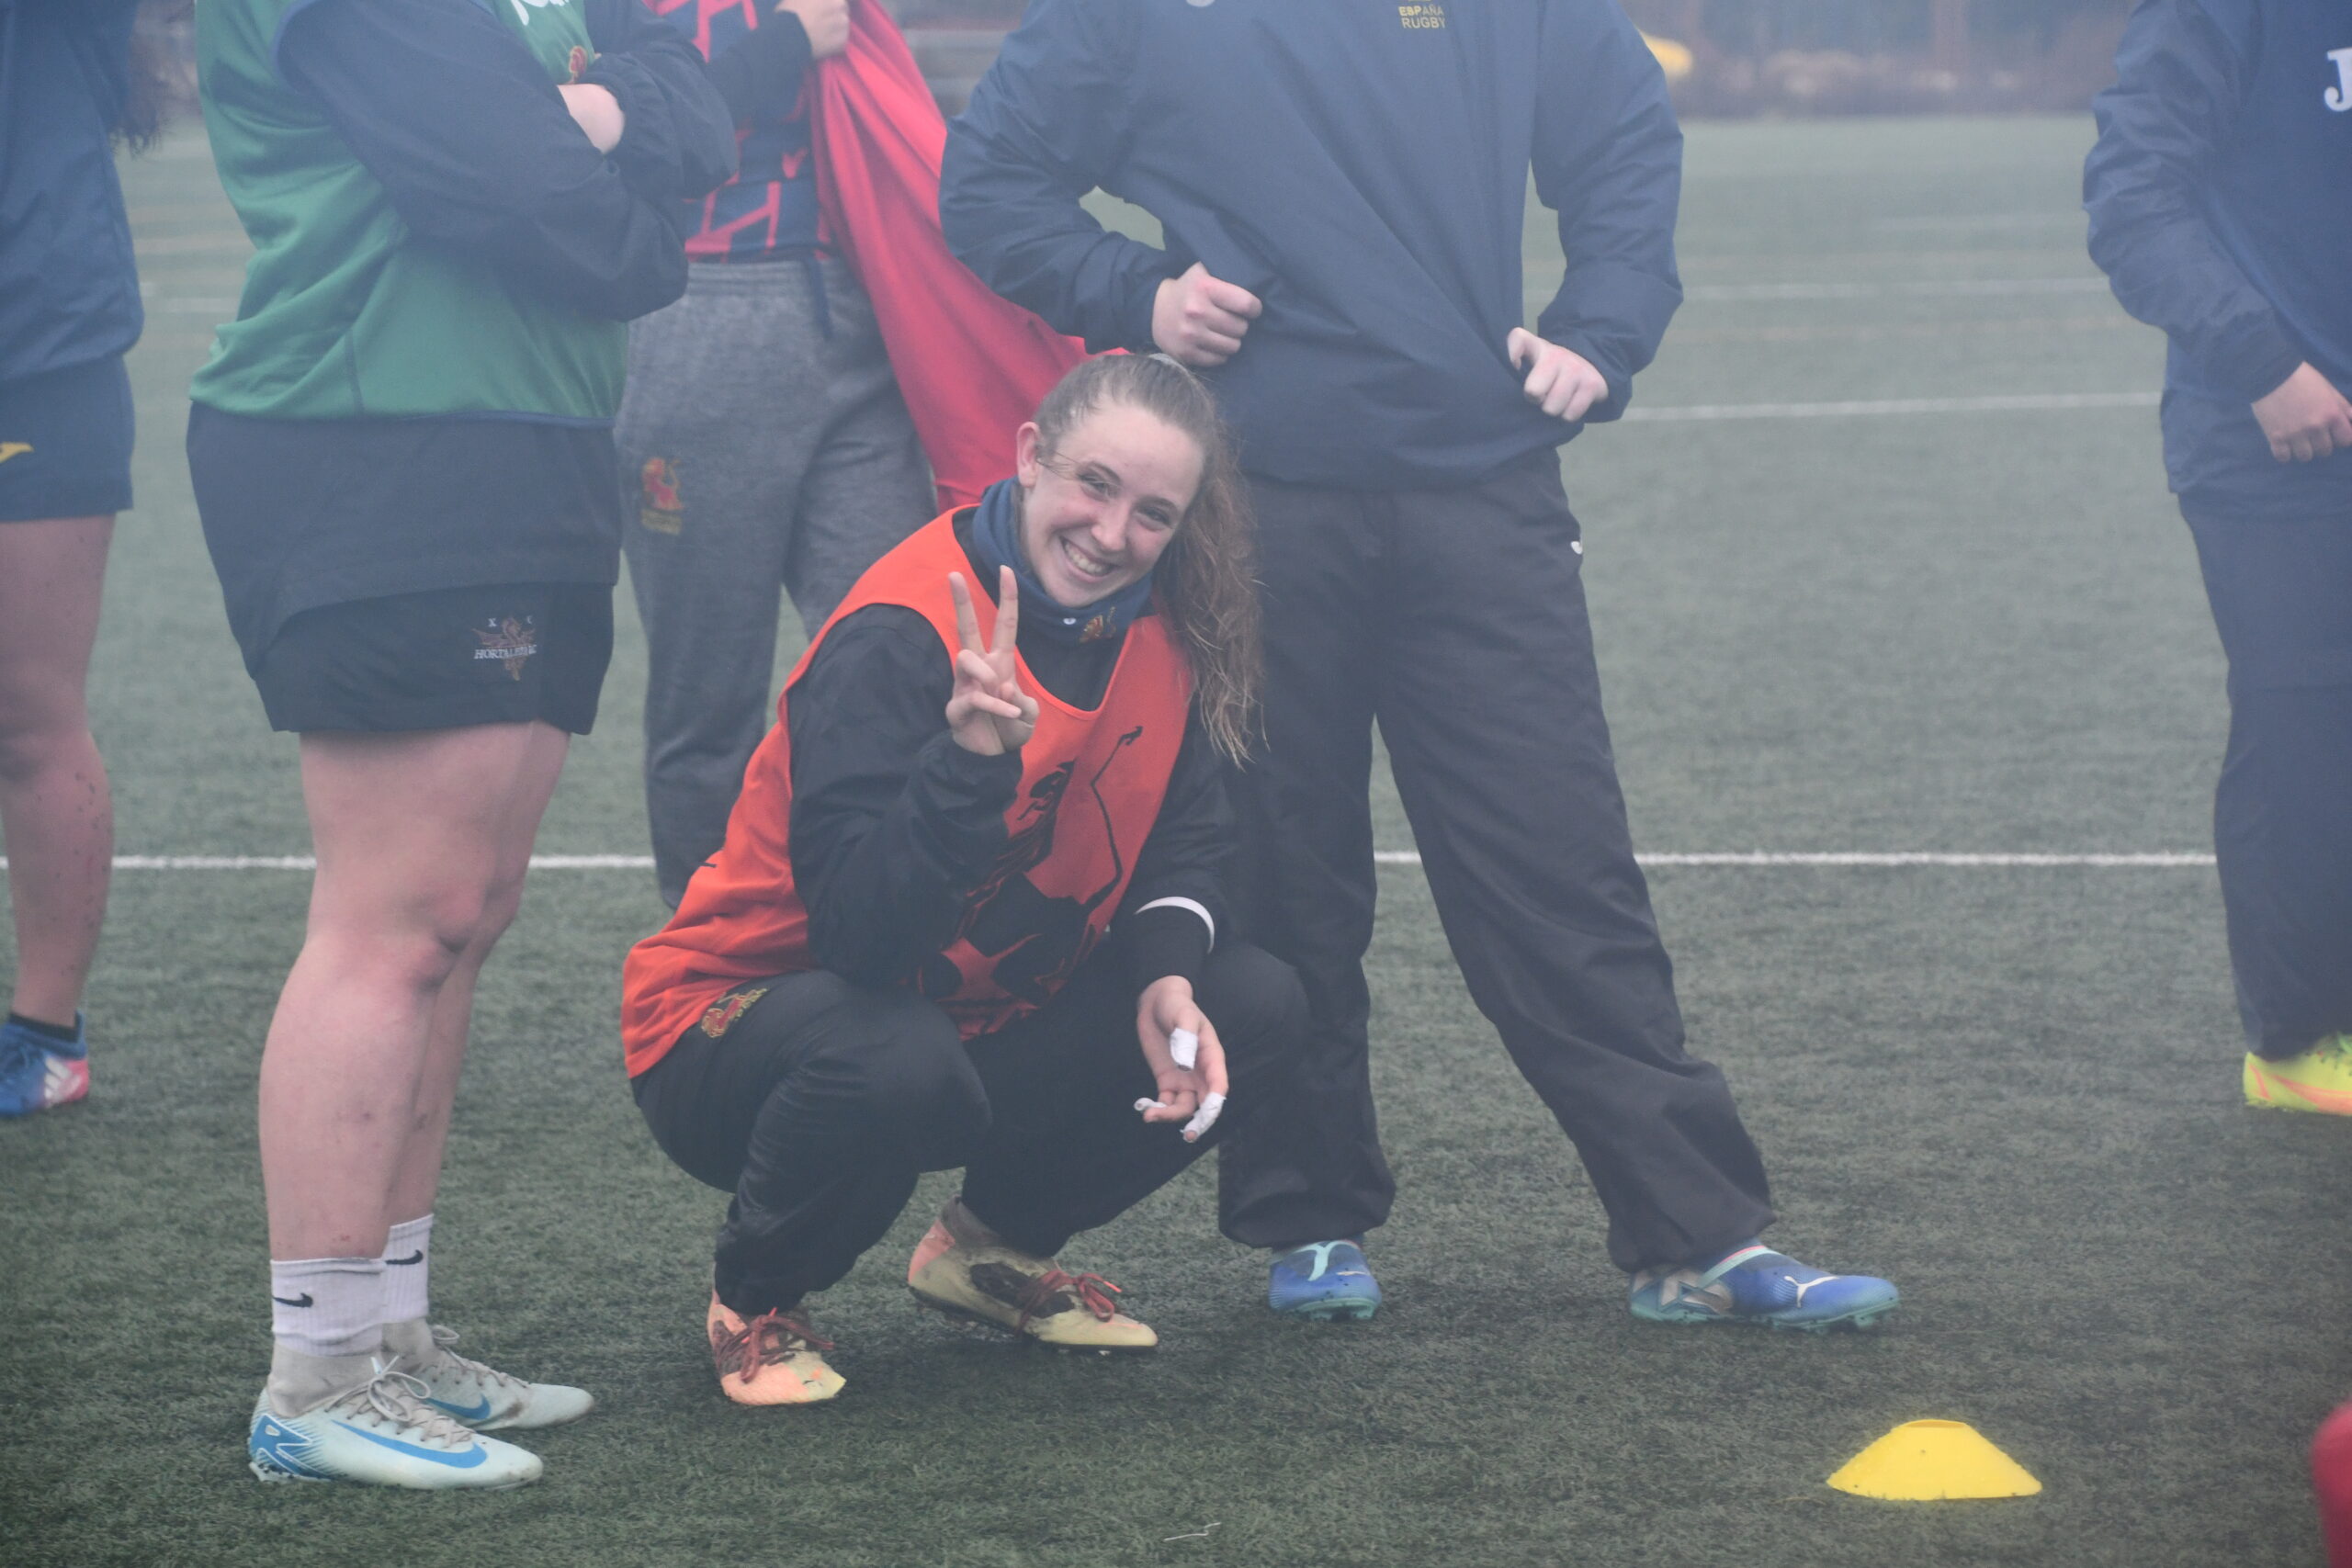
2180 81
1608 159
1050 129
678 141
418 88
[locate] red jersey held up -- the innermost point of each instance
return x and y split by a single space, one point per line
1091 784
973 366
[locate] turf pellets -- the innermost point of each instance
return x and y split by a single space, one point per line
1183 1048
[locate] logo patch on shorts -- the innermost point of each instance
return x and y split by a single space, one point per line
664 511
511 640
728 1009
1424 17
14 449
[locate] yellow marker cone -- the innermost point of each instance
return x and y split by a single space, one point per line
1927 1462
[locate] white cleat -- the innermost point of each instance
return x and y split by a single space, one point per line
472 1394
381 1434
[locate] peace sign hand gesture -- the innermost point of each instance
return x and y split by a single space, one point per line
988 713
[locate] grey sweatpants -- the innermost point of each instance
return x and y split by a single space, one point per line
765 448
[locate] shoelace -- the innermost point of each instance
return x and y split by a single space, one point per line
1092 1290
446 1339
768 1339
399 1398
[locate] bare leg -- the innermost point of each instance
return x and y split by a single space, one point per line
56 809
422 840
419 1176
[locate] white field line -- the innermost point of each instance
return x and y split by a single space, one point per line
1866 858
2015 402
1942 288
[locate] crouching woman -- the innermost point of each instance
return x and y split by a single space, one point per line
968 912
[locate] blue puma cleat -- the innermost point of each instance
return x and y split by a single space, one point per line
1752 1284
1327 1282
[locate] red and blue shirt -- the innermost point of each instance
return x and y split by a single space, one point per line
770 204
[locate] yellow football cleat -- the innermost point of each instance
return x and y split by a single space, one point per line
2320 1079
769 1360
962 1268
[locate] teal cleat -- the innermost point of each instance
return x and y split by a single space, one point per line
1326 1281
1752 1284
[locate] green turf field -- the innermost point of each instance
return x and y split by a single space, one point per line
2011 1088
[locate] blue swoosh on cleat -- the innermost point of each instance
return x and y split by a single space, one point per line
471 1458
463 1413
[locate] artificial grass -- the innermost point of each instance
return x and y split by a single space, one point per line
2012 1090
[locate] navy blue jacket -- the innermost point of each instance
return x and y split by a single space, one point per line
69 287
1362 169
2220 196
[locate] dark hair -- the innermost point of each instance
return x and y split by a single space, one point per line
1207 586
157 83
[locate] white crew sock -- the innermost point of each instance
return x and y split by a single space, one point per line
327 1306
408 1268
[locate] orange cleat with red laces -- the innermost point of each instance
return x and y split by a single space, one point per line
965 1269
769 1360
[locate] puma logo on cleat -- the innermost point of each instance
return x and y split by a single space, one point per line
416 1257
303 1302
1807 1285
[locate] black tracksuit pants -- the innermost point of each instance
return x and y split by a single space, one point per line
2281 591
1456 619
823 1102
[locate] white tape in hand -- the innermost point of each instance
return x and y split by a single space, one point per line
1183 1048
1211 1105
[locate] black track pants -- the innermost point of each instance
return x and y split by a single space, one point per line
823 1102
1457 620
2281 592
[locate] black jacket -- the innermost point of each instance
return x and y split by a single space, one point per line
1364 170
893 823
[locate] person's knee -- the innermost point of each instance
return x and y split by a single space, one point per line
418 942
36 735
1256 1003
914 1081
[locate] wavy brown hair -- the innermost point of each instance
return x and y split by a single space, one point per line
1206 581
160 82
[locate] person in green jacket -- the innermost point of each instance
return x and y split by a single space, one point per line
403 456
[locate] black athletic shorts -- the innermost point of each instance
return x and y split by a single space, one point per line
65 442
443 659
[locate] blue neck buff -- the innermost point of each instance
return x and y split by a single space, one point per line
996 528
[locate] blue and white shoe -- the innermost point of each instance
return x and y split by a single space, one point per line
1327 1282
382 1434
1752 1284
472 1394
39 1072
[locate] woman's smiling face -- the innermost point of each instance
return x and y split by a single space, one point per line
1096 513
